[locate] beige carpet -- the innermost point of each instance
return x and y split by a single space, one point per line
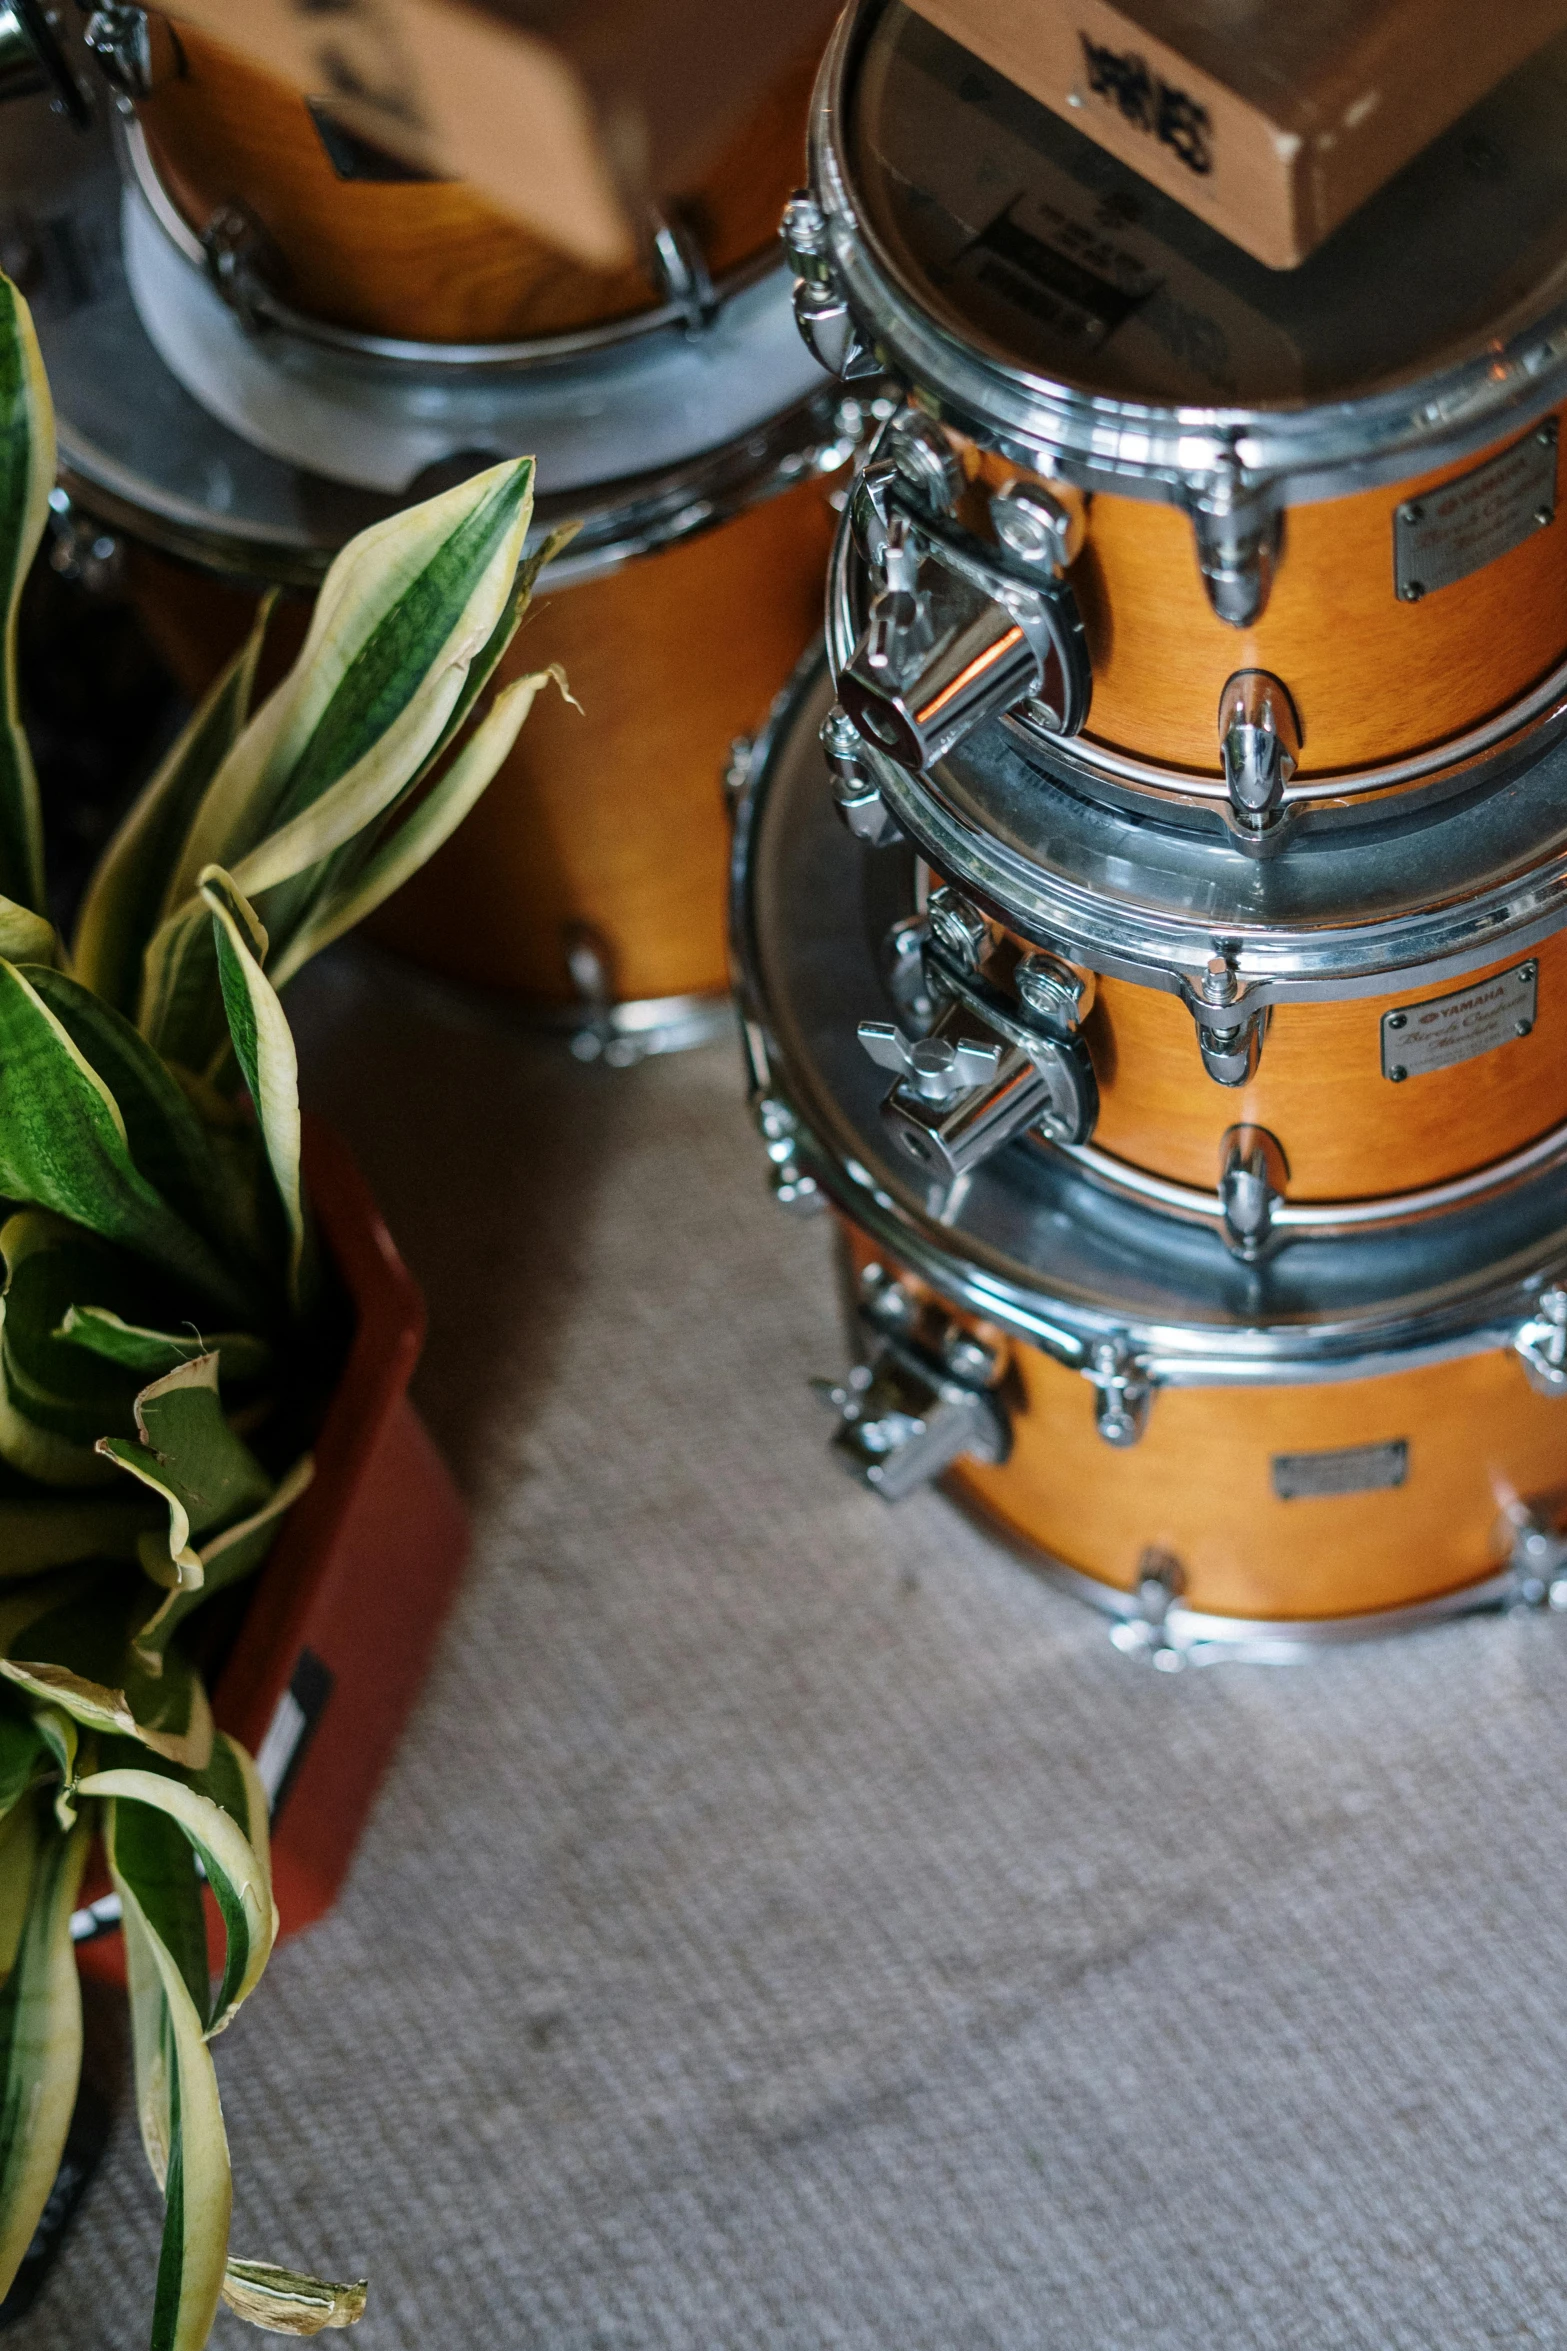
789 1924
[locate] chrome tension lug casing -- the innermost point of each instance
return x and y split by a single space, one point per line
1123 1391
925 1398
779 1129
856 795
1145 1631
1237 532
1229 1036
1253 1178
1536 1558
120 39
1259 745
1540 1344
820 312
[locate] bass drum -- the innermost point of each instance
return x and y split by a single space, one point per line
1229 1459
1180 470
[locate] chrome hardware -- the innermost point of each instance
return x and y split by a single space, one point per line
1144 1632
923 459
1253 1175
120 39
1053 991
737 771
904 957
916 1407
820 312
1036 525
803 233
33 59
1231 1047
240 263
589 964
962 630
1122 1389
1259 742
934 664
779 1129
1536 1559
936 1070
681 273
855 793
82 549
958 928
1237 532
1540 1344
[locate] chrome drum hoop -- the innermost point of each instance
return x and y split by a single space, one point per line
138 452
1464 763
441 361
1183 454
1038 1244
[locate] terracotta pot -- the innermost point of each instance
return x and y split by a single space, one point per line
344 1616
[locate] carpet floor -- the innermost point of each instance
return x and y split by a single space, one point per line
788 1922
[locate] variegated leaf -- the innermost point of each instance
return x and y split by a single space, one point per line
27 461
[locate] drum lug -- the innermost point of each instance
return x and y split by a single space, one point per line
779 1129
1237 532
856 795
1536 1558
1540 1344
120 39
919 1403
681 273
823 317
238 249
82 549
1259 744
1145 1632
1123 1391
1253 1175
1229 1035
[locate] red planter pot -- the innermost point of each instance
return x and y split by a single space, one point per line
346 1612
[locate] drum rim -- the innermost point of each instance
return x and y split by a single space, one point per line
626 518
1459 763
1183 451
407 354
1469 1313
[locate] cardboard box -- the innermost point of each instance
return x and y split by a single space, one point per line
1270 119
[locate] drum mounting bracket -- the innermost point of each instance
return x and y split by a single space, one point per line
926 1395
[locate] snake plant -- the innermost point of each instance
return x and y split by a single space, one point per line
165 1312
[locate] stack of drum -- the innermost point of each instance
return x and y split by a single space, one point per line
1151 911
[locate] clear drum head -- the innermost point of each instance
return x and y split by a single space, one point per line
1023 240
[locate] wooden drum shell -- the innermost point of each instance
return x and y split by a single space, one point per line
426 260
1348 1132
1373 679
1198 1484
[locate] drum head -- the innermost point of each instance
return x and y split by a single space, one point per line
1024 240
1026 1238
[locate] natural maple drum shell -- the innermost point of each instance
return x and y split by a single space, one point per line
612 816
1198 1484
430 260
1373 679
1348 1132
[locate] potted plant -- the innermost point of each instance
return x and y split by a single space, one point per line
171 1323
